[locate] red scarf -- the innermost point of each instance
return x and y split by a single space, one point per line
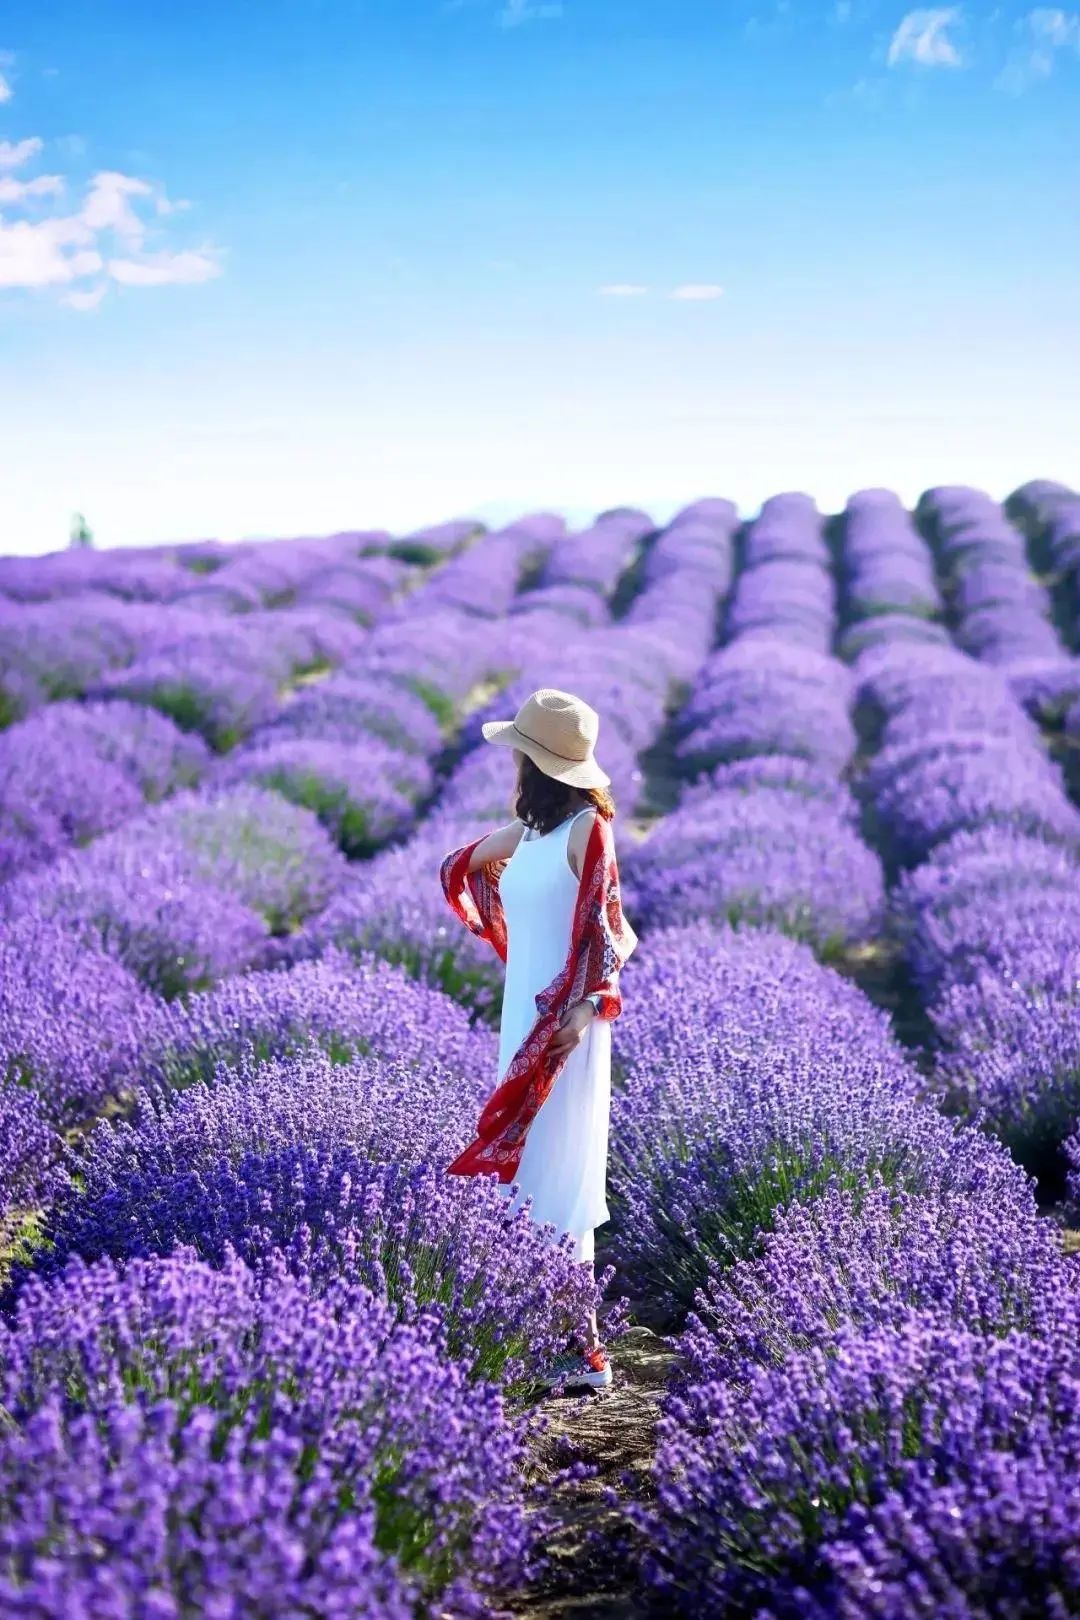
600 941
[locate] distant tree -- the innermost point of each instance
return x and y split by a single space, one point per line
81 532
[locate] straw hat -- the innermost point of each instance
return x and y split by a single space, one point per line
558 732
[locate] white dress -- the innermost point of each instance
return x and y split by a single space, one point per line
563 1165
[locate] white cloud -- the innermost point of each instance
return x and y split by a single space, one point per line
6 91
88 299
1044 34
50 253
1053 25
108 205
166 269
622 289
114 235
516 12
13 154
696 292
17 191
923 38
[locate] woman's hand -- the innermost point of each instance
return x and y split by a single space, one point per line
571 1032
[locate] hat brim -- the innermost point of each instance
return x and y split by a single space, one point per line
579 773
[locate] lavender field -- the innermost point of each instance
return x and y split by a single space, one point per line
260 1357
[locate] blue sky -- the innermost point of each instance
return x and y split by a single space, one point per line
285 266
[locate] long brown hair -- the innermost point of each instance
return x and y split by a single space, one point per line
543 804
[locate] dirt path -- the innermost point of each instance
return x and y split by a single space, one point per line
591 1573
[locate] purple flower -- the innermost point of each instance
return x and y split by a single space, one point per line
761 696
598 555
342 1005
887 563
362 793
215 1441
759 858
1011 1055
222 700
173 930
72 1018
249 843
1047 687
350 707
1072 1155
389 908
790 1082
336 1165
865 1257
72 771
29 1148
911 1471
51 650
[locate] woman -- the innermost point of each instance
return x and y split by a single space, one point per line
544 892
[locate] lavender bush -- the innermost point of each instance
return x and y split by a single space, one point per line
72 1018
276 1451
336 1165
362 795
255 1335
912 1471
867 1256
343 1005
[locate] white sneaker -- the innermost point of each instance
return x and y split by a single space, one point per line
590 1371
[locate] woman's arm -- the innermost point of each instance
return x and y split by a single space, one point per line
497 846
576 1019
578 842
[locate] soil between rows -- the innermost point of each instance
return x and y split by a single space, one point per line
592 1551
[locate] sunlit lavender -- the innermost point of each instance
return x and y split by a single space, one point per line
259 1354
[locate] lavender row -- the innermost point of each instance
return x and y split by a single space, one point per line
203 887
598 557
170 902
79 618
848 1252
75 770
626 669
887 575
359 747
236 578
767 834
188 1439
1032 1047
975 817
900 1472
215 673
962 793
357 750
835 1240
1001 612
1050 516
170 625
1049 688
